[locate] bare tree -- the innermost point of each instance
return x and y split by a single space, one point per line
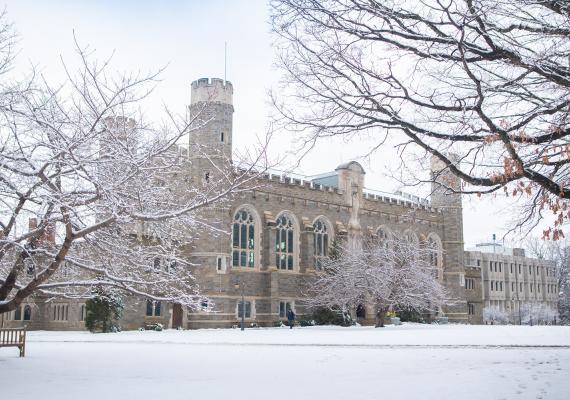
93 196
538 314
486 80
559 253
492 314
390 274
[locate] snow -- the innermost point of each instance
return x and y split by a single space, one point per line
406 362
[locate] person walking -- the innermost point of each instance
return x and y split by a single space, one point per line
291 318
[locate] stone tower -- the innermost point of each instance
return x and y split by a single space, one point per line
445 197
212 108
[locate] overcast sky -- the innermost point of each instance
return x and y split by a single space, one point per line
189 36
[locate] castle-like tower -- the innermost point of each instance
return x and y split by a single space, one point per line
446 196
211 110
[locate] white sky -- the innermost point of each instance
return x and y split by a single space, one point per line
189 37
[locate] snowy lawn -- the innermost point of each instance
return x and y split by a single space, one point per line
405 362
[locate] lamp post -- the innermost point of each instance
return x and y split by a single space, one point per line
240 285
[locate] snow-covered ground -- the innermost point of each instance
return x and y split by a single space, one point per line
397 362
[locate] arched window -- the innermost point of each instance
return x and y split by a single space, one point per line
284 243
322 240
435 254
410 236
18 314
243 239
27 313
383 234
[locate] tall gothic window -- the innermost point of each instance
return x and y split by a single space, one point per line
284 243
433 252
321 242
435 256
27 313
243 242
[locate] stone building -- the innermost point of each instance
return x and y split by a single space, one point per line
507 280
278 234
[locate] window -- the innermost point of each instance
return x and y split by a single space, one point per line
82 313
27 313
222 137
18 314
410 236
435 258
171 266
492 286
247 309
469 283
500 267
321 242
511 268
501 286
478 263
520 287
60 312
529 270
153 308
471 308
243 239
156 264
513 287
383 234
284 307
220 264
30 266
434 250
284 243
520 268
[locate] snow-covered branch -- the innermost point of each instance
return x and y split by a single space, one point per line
93 195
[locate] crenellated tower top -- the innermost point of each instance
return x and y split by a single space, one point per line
212 111
212 90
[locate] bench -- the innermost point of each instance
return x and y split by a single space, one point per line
14 337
